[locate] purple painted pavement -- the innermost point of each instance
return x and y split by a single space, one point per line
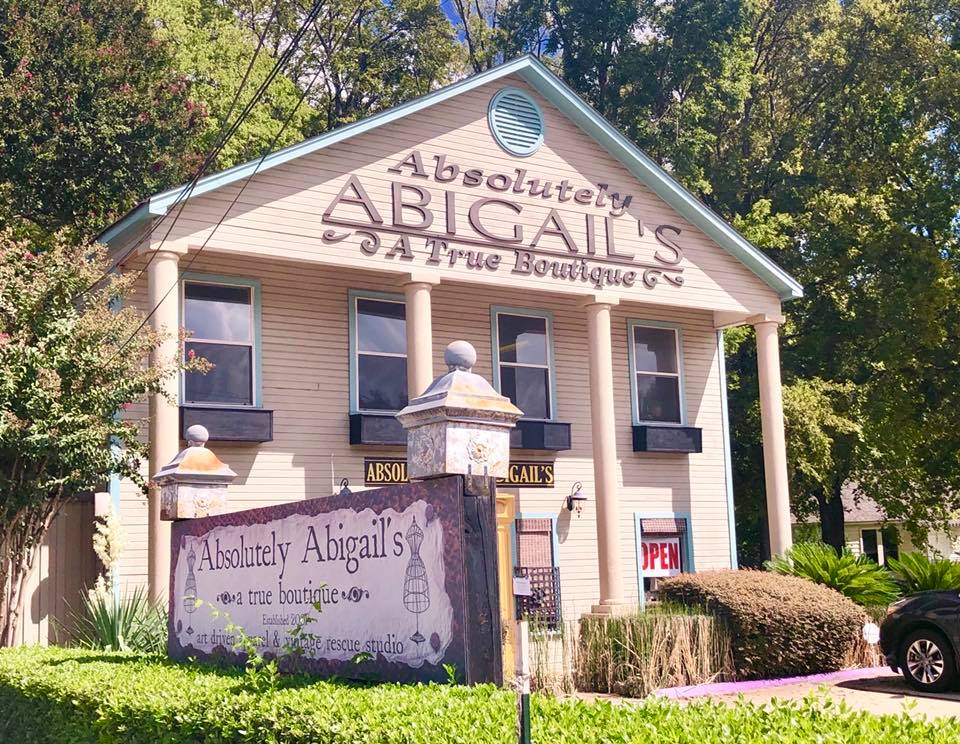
734 688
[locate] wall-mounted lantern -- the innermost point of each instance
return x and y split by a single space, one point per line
576 498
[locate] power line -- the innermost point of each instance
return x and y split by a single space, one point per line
310 20
255 99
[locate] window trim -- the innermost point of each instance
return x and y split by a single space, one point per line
555 537
256 310
638 541
354 342
632 369
495 312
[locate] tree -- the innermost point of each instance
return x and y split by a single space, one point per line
828 132
92 115
365 55
66 367
209 47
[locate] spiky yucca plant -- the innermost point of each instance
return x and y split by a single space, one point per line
916 572
856 577
109 623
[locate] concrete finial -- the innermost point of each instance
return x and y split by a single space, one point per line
197 435
460 355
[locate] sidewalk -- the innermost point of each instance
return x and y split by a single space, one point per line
877 690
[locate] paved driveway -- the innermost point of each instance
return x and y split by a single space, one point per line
883 692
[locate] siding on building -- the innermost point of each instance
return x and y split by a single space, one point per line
305 383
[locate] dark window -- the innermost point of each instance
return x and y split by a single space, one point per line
657 374
381 355
868 540
524 359
891 543
220 321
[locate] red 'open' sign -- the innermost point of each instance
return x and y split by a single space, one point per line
660 556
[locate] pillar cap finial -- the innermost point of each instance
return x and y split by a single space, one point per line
460 355
197 435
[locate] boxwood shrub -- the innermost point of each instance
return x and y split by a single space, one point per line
85 697
781 626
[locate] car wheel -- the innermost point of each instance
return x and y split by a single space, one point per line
927 661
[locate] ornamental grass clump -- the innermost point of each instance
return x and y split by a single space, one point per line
780 626
855 577
663 646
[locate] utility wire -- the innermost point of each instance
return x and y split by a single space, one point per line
310 20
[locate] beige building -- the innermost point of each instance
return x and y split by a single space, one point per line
325 281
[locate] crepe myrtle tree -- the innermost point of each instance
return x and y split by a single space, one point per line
71 358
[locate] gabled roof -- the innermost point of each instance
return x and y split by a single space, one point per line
556 92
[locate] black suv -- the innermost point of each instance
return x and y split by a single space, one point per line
921 637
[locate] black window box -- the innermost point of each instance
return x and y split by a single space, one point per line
376 428
684 439
229 424
540 435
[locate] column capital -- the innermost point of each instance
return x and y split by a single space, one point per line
161 247
764 320
600 298
420 278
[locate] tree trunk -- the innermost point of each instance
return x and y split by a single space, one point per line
831 517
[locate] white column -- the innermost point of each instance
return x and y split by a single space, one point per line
603 432
419 335
164 295
774 442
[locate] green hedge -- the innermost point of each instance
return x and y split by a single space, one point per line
83 697
781 626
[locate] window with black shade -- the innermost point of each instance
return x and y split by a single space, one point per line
869 545
523 352
220 321
381 349
890 540
656 370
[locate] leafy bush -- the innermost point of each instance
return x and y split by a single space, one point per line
50 696
856 577
664 646
915 572
107 623
781 626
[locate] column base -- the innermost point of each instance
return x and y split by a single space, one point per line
612 608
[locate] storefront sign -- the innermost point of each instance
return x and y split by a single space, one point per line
383 472
590 254
375 575
660 556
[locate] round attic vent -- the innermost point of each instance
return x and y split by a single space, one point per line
516 122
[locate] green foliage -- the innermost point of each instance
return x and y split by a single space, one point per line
781 626
211 49
92 114
108 623
827 132
855 577
916 572
66 368
369 55
49 696
663 646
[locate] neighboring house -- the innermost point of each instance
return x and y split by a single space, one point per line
868 531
